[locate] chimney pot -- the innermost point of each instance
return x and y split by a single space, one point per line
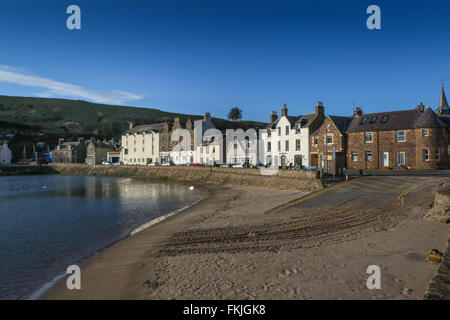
284 111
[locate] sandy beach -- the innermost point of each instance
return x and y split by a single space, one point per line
228 246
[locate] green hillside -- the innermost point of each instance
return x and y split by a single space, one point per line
76 117
47 119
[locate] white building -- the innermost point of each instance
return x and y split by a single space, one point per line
5 155
142 145
209 142
288 138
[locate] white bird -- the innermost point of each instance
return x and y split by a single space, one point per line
191 188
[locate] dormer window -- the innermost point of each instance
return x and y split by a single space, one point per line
363 121
373 119
384 119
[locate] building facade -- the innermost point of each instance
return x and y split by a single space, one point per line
415 139
287 140
97 151
69 152
329 145
143 144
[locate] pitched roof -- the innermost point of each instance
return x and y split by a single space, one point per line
405 119
147 128
341 123
429 119
305 120
443 107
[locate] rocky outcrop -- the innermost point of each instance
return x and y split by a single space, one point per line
439 287
441 208
284 180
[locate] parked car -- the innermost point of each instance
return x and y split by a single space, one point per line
194 165
154 164
105 162
165 164
226 165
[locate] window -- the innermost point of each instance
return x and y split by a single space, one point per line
135 149
316 141
425 154
287 130
269 132
297 129
279 145
384 119
126 151
363 121
297 144
368 137
425 132
438 154
279 131
329 139
401 158
400 136
143 149
269 146
369 156
354 155
373 119
287 145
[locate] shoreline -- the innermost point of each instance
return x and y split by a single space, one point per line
40 292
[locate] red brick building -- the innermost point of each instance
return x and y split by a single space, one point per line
416 139
329 142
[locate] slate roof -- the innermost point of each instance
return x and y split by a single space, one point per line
146 128
405 119
342 123
305 120
429 119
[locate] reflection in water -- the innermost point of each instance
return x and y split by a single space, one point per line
50 222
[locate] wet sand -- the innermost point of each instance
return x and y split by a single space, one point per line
227 247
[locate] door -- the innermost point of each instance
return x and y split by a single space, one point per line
385 159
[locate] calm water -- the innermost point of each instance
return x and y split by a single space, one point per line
50 222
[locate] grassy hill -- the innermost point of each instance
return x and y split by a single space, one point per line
76 117
47 119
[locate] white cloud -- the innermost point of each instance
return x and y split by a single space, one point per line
56 88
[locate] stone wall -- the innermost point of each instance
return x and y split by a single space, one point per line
284 179
441 208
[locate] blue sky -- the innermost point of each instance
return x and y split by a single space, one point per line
198 56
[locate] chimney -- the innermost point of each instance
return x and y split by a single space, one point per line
284 111
207 116
358 112
421 107
273 117
176 122
319 108
131 125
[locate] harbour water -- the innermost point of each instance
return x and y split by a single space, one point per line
50 222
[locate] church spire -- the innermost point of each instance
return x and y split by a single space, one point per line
443 108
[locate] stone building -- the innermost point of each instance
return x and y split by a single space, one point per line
416 139
329 145
288 138
69 152
97 151
144 144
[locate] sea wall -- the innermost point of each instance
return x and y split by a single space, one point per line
17 170
283 179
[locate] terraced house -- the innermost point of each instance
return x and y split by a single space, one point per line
288 137
416 139
143 144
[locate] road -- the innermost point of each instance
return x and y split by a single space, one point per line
339 213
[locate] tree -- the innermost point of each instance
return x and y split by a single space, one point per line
235 114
